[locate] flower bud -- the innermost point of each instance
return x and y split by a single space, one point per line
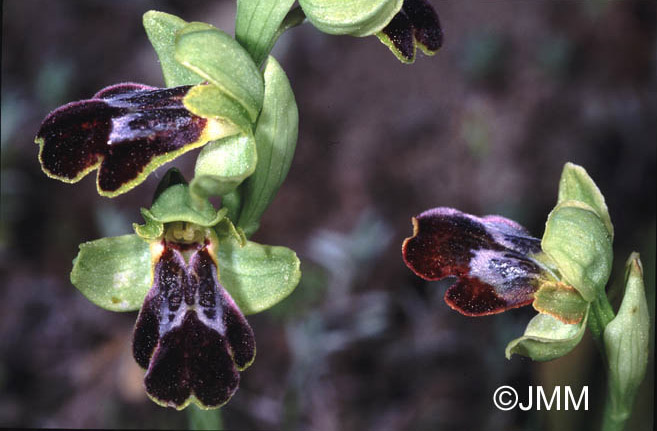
626 340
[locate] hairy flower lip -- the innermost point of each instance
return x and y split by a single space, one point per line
190 336
125 131
416 25
490 257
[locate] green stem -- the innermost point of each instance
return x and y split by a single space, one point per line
613 420
198 419
599 317
233 201
601 314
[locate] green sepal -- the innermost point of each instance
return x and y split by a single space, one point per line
174 204
218 58
161 29
222 165
256 276
578 242
561 301
626 340
209 101
352 17
576 184
257 23
547 338
114 273
276 138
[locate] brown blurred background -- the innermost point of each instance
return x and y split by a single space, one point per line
518 89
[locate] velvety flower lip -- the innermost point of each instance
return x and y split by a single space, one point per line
125 130
417 24
491 257
190 335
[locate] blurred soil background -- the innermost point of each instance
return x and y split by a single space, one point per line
518 89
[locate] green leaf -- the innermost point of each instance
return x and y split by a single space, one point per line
576 184
257 23
114 273
561 301
626 340
276 139
161 29
222 165
579 244
352 17
208 101
256 276
217 57
547 338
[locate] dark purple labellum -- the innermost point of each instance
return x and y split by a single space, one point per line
125 130
416 23
190 336
490 256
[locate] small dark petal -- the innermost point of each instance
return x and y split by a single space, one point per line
400 33
490 256
425 22
172 177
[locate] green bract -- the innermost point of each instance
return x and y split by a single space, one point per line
113 273
626 340
576 184
577 240
217 57
222 165
547 338
161 29
276 138
257 25
352 17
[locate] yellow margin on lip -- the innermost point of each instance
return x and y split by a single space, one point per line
214 129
